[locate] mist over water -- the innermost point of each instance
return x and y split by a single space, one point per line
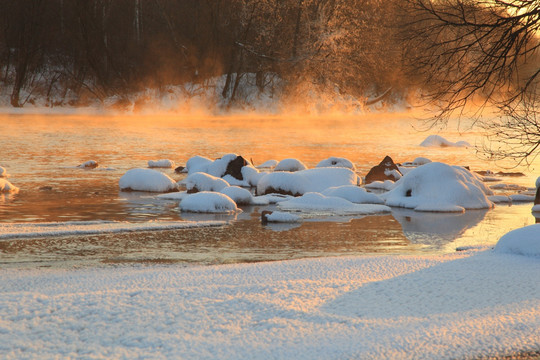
41 153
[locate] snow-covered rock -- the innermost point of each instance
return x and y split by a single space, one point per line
282 217
291 165
239 195
7 187
301 182
269 164
3 173
500 199
90 164
209 202
251 175
201 181
419 161
337 162
381 185
146 180
163 163
523 241
439 141
441 188
316 202
197 164
521 198
353 194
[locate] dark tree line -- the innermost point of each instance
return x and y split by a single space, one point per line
98 48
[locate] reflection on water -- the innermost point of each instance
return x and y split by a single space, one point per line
41 154
436 229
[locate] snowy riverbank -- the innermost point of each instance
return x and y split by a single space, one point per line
460 305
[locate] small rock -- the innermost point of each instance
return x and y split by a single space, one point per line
234 168
264 218
179 169
386 170
91 164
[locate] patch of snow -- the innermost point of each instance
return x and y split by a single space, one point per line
462 305
231 180
522 241
146 180
439 141
204 182
209 202
381 185
441 188
219 166
271 199
510 187
311 180
283 217
521 198
353 194
7 187
291 165
239 195
337 162
251 175
18 230
419 161
163 163
268 164
500 199
316 202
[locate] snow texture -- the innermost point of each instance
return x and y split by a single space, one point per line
353 194
439 187
290 165
439 141
209 202
146 180
315 202
204 182
163 163
465 305
523 241
7 187
311 180
337 162
34 230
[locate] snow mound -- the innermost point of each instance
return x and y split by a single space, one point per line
269 164
419 161
353 194
197 164
381 185
316 202
163 163
239 195
291 165
90 164
251 175
500 199
146 180
337 162
523 241
439 141
203 182
301 182
282 217
7 187
3 173
439 187
209 202
536 208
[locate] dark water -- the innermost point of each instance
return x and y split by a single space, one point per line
41 154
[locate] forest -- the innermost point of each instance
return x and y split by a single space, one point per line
81 51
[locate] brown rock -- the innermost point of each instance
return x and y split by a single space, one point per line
386 170
264 214
234 168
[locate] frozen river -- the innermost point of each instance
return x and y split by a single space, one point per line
41 153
